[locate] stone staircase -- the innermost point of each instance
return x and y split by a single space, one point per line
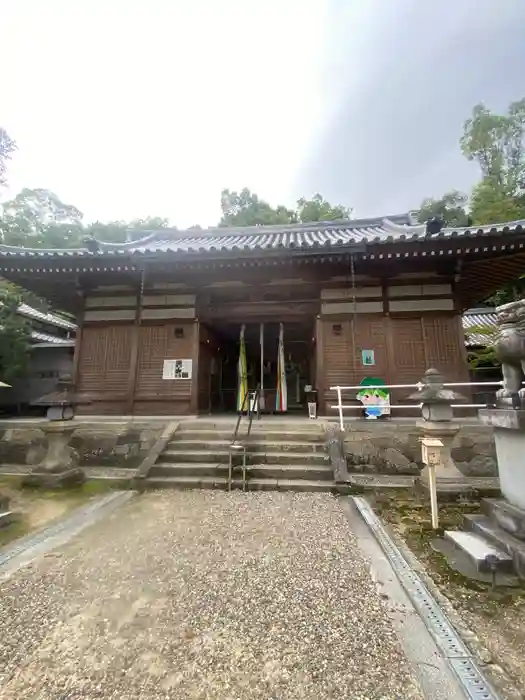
281 455
498 532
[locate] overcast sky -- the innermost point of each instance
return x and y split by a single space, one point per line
133 107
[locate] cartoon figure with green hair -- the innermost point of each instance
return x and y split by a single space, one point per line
375 400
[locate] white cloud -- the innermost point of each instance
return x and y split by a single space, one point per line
128 108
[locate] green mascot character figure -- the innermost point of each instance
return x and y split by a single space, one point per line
375 400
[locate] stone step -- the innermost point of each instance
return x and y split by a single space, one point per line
213 482
269 435
6 518
253 446
262 471
505 515
222 456
308 472
481 525
476 548
257 425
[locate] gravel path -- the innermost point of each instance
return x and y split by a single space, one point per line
201 595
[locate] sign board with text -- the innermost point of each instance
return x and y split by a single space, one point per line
177 369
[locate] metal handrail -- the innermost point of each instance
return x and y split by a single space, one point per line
418 386
250 412
234 446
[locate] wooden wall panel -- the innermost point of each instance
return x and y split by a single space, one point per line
342 358
407 359
408 362
156 344
445 347
370 334
337 355
104 361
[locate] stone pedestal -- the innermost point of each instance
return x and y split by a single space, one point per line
450 482
509 437
437 423
60 465
446 470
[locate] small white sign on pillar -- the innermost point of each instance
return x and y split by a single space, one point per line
431 456
177 369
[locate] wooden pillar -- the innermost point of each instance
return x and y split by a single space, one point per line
389 345
319 365
134 350
78 349
424 338
194 399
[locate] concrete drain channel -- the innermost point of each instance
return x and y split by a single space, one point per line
471 679
34 545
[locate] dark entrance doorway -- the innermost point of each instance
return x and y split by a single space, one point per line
261 343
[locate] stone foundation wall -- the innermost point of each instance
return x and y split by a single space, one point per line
393 448
122 444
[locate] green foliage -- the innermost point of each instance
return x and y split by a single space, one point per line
510 292
39 219
450 208
484 355
245 208
493 203
15 333
318 209
495 142
7 148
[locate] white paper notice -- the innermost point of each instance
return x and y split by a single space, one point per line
177 369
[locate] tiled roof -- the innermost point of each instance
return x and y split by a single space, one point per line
54 340
51 319
479 318
301 237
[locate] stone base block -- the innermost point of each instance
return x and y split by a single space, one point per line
506 516
509 438
484 527
6 518
467 557
50 480
477 549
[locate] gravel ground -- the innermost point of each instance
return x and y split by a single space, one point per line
203 594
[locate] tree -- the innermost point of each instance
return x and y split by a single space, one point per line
7 148
496 143
450 208
245 208
492 203
37 218
318 209
15 332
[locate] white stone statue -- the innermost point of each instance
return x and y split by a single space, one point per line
509 346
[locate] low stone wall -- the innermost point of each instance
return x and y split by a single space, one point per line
394 448
120 444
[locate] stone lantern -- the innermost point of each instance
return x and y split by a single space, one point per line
437 423
60 464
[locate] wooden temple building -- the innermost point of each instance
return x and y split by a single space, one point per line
160 318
